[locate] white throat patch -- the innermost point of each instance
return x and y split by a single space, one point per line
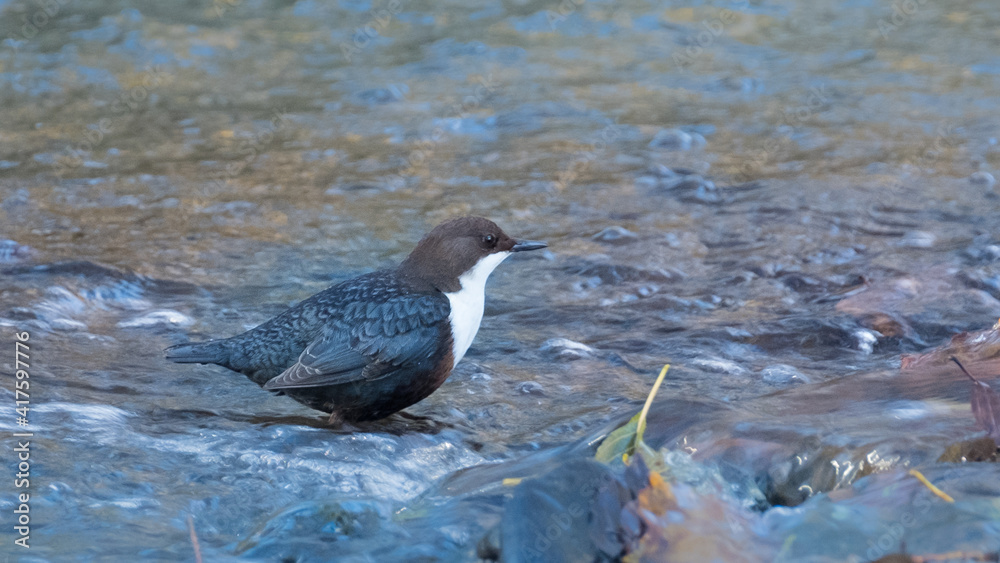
467 303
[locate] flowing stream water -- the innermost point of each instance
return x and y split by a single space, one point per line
780 198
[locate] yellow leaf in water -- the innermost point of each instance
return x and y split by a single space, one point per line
627 440
618 444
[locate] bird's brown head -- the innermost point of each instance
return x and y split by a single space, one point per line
457 247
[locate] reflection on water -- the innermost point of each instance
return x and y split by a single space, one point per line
777 198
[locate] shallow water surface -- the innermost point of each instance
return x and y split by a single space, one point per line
778 198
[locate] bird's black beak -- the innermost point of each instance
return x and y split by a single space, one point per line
525 245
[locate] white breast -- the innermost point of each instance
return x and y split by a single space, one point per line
467 303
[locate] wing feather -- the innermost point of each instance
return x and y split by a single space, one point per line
390 334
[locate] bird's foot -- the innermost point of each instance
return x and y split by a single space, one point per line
337 422
415 417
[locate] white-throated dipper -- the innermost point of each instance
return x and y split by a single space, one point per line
373 345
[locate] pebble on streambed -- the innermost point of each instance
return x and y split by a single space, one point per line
782 374
158 318
984 179
677 140
567 350
616 235
11 252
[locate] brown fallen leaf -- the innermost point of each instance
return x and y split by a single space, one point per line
985 404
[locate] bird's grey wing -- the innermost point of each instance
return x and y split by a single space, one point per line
328 360
382 337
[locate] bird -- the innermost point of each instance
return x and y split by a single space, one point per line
373 345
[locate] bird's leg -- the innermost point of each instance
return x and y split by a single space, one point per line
335 420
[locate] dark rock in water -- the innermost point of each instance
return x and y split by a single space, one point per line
804 335
488 547
573 513
978 449
547 519
804 473
329 522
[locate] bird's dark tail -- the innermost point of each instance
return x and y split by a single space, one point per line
211 352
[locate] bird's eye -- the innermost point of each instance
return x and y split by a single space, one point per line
490 240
